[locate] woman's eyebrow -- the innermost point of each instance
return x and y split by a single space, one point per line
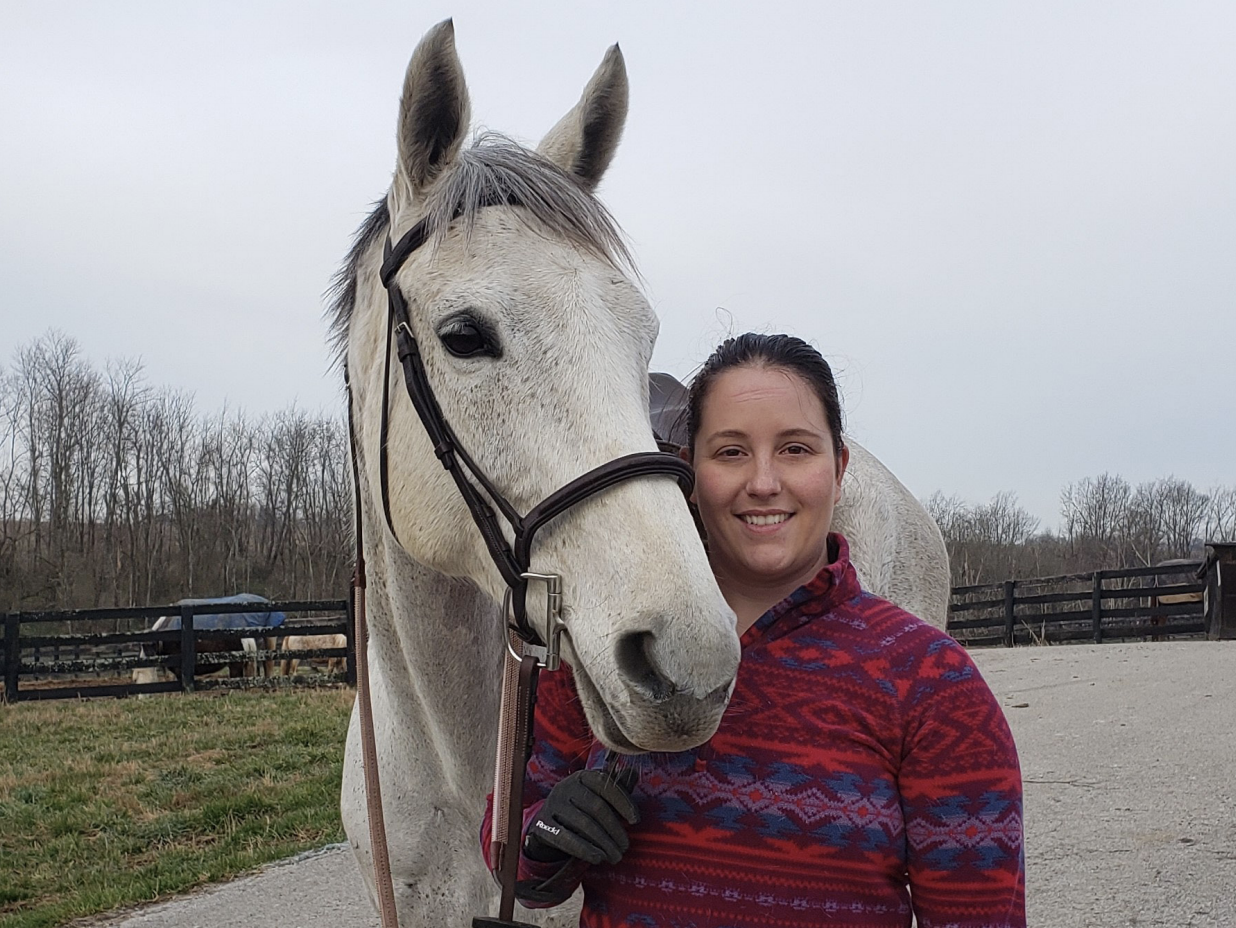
787 433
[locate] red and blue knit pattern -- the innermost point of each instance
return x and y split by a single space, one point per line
863 771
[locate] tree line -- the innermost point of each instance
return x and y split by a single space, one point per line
1105 523
115 492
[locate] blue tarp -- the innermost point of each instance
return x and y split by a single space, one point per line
236 620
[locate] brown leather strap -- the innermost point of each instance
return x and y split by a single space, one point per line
525 706
502 758
369 751
369 758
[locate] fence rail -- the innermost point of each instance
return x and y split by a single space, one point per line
1142 602
47 655
43 648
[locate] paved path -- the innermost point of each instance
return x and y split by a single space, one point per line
1129 758
321 889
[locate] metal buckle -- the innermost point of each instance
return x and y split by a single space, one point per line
549 655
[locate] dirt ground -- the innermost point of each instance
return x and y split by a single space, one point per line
1128 753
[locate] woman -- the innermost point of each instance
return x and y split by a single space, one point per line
863 770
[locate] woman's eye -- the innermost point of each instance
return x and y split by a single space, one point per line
467 340
797 449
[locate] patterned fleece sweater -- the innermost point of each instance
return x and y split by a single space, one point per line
862 772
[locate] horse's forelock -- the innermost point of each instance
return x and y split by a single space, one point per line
494 168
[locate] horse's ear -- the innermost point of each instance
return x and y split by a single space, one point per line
433 114
585 139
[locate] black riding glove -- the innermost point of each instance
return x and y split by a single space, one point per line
583 817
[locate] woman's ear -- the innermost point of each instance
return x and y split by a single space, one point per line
843 461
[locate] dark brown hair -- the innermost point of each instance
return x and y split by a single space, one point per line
784 352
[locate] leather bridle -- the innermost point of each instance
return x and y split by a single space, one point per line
513 561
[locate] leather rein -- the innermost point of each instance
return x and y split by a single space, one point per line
528 652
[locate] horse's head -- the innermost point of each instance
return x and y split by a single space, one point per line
536 343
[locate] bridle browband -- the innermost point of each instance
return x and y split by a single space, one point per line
512 560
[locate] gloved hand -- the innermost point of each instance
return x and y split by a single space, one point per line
583 817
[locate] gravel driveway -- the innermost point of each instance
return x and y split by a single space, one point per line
1129 758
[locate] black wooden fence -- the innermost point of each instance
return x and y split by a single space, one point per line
1166 601
50 652
92 652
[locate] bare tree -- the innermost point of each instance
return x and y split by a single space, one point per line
1106 523
1184 516
114 492
1221 515
13 493
1094 511
986 542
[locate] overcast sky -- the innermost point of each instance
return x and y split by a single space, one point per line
1011 227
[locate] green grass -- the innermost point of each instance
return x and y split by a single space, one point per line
116 802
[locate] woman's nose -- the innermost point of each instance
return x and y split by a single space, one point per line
764 480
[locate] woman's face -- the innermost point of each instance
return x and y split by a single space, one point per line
766 477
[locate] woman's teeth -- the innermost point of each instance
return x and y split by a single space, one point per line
765 520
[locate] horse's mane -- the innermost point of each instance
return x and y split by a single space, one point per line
494 167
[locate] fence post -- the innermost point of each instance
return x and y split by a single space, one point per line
1096 607
1009 622
12 655
188 649
350 663
1221 591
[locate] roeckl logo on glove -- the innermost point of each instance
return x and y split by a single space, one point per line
541 825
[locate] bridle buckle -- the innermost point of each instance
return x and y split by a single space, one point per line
548 655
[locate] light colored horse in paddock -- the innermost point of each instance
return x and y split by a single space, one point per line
251 667
313 643
536 342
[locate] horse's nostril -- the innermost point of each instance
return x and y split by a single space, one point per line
635 663
720 695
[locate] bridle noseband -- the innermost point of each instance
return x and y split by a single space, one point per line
513 561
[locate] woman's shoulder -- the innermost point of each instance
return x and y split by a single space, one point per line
884 620
910 648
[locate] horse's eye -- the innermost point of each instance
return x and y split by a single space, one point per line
465 339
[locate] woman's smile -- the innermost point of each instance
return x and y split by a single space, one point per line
764 522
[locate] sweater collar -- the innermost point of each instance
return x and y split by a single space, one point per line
836 583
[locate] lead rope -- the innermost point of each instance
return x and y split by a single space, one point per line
369 759
502 760
517 750
369 751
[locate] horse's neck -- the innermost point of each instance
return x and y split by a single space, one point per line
435 649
